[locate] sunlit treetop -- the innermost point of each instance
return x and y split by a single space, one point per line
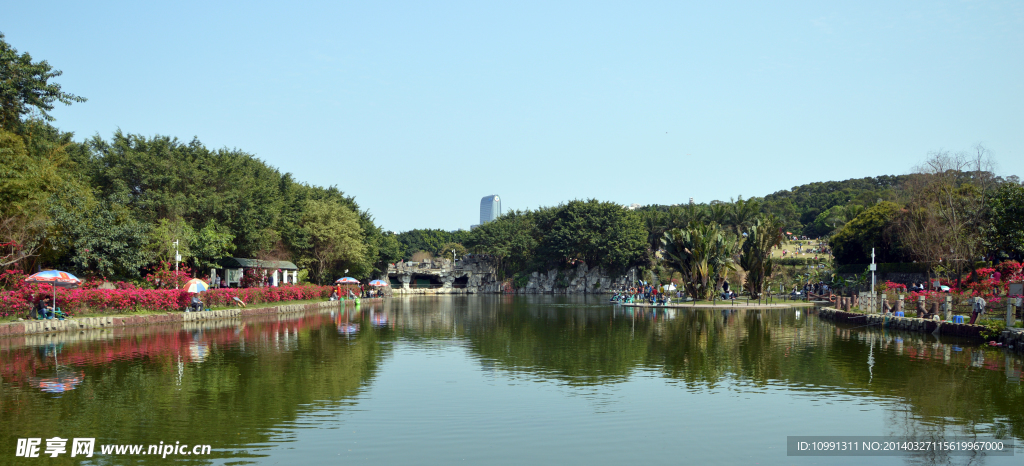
25 87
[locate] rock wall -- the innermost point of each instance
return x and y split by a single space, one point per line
582 279
472 274
478 274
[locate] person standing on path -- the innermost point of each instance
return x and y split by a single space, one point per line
978 309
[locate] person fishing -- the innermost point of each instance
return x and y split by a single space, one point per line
196 305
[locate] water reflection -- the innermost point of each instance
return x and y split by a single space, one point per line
244 386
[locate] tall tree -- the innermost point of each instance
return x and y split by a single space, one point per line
947 208
873 228
601 234
743 214
1006 220
26 89
702 253
756 252
510 240
333 238
97 236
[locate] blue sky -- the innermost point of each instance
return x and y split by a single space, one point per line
419 109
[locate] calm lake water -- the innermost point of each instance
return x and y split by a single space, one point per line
505 380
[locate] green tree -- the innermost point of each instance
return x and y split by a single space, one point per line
601 234
873 228
756 252
159 246
510 240
445 251
211 244
35 167
743 214
389 251
333 238
702 253
100 237
25 87
1006 220
430 240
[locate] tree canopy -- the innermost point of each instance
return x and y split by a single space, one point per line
26 87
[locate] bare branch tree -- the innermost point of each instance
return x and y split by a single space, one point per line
946 207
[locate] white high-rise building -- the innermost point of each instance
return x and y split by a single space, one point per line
490 208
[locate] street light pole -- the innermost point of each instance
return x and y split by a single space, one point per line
177 258
873 268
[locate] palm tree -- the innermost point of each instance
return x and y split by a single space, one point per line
743 214
656 223
756 253
719 212
702 253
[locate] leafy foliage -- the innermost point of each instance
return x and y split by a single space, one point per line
430 240
799 207
333 238
511 241
600 234
702 253
1006 220
25 87
756 253
853 243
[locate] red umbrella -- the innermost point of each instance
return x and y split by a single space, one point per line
55 278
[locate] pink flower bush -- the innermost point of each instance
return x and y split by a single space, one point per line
21 299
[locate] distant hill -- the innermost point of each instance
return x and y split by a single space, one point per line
816 209
801 205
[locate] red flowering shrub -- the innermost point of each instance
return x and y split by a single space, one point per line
21 299
164 276
892 286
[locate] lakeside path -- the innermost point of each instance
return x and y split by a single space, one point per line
737 305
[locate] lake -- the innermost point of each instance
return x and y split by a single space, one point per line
501 379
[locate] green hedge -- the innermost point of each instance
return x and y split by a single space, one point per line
796 261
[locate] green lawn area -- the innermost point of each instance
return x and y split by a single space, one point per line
792 246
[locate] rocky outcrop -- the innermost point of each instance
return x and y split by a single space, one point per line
478 274
472 274
582 279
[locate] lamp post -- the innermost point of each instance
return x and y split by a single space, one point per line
177 258
873 268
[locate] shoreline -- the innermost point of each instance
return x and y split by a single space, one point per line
38 327
723 306
1012 339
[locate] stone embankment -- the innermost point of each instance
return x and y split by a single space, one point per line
581 279
29 327
1011 338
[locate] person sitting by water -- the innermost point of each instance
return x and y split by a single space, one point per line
44 310
197 304
334 296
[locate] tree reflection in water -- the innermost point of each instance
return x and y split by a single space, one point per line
230 383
